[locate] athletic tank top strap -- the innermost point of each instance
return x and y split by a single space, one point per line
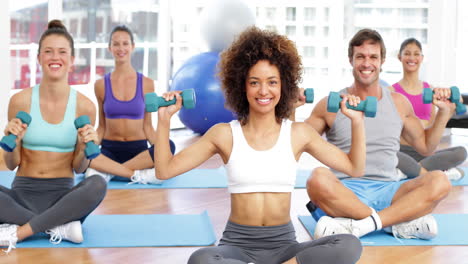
398 88
107 87
44 136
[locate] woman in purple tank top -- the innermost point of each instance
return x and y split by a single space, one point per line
411 162
125 128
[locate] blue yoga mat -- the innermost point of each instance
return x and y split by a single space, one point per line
136 231
196 178
453 231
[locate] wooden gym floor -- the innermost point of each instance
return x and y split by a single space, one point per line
216 201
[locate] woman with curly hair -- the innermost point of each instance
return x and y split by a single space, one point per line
260 73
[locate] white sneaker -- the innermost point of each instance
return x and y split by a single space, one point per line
70 231
146 176
90 172
8 236
424 227
454 174
327 226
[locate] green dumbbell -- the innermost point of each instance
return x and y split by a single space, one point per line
92 150
368 106
309 95
8 143
454 98
153 102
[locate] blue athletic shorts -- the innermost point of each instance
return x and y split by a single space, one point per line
375 194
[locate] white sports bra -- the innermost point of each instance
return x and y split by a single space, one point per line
272 170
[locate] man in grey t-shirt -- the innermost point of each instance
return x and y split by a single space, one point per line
360 204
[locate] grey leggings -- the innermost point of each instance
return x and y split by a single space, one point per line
410 161
47 203
276 244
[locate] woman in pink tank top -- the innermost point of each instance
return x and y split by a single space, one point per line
411 87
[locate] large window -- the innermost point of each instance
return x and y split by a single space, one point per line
26 24
93 21
309 14
167 33
291 14
90 24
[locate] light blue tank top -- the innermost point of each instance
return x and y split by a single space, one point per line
382 139
44 136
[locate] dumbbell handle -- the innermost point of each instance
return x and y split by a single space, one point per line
8 143
153 102
360 107
92 150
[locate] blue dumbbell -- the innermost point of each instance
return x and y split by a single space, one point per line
315 211
454 98
368 106
309 95
92 150
8 143
153 101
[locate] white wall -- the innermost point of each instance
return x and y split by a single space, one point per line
442 40
461 46
5 84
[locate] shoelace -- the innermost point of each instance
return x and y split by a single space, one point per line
55 235
403 231
11 244
137 179
454 174
9 233
354 230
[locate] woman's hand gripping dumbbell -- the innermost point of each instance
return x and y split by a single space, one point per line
8 143
454 98
92 150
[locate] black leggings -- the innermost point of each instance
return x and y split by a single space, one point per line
47 203
276 244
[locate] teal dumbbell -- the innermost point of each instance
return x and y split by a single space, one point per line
368 106
153 101
454 98
92 150
309 95
8 143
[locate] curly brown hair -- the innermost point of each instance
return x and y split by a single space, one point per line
251 46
